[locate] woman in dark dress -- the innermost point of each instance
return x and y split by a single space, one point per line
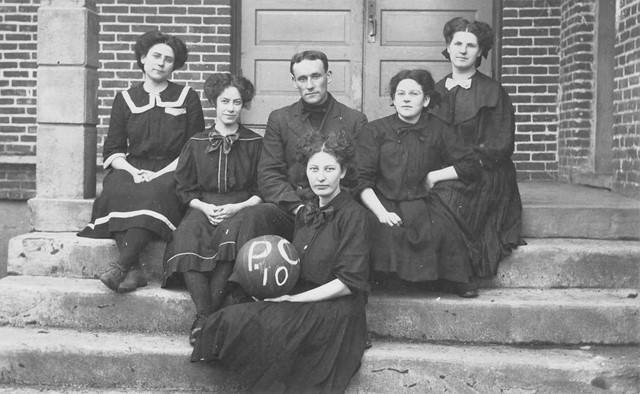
484 199
396 154
217 179
313 339
148 127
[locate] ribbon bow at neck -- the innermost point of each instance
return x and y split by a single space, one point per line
216 140
315 216
450 84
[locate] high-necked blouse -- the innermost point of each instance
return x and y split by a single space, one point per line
338 247
394 156
152 126
202 170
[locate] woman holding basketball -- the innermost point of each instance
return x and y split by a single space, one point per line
314 338
216 177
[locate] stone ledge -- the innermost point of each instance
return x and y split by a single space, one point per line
546 263
573 316
158 362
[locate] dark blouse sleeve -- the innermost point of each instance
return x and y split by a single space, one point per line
195 117
187 187
368 153
497 132
116 141
352 256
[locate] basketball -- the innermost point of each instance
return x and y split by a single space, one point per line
267 266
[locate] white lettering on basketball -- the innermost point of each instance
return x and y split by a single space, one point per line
253 256
286 275
283 252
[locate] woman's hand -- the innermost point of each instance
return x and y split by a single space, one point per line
430 180
283 298
228 210
391 219
445 174
140 176
210 211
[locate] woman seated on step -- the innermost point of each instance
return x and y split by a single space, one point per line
217 179
313 339
149 125
480 194
416 238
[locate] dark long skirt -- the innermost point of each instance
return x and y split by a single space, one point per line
428 246
197 244
488 213
125 204
289 346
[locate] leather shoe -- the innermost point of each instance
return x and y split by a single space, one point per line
134 278
197 327
467 290
114 276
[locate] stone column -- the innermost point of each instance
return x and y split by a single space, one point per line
68 32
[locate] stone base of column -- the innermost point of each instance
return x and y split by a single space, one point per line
65 254
59 214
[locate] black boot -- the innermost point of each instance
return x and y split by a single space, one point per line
134 278
114 276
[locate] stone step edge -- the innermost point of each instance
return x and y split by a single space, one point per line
498 316
112 360
555 262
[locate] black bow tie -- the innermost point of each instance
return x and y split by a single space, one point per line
216 140
314 216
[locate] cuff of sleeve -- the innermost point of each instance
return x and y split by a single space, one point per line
107 163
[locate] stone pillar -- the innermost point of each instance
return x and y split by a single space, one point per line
68 32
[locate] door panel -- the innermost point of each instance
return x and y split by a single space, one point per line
274 30
409 35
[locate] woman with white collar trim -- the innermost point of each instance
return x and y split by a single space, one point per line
149 125
480 194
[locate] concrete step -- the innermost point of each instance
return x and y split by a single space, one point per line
115 361
548 263
560 210
569 316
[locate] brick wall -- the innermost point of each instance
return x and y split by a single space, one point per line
204 25
530 71
626 110
549 119
576 101
18 27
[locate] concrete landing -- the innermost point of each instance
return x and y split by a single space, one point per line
561 210
569 316
143 361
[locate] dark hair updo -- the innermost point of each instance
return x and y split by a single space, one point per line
336 143
151 38
482 30
217 83
423 78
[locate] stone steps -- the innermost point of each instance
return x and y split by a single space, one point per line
35 357
560 316
542 263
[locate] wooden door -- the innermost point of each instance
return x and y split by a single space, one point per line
366 41
274 30
407 34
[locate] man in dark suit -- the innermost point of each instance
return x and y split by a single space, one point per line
282 180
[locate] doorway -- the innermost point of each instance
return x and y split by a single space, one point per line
366 41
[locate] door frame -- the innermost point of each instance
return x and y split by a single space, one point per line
236 35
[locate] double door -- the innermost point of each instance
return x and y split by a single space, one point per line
366 41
